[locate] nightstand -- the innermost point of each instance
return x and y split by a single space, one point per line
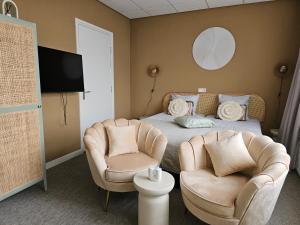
274 134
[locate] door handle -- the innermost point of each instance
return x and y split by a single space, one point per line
84 93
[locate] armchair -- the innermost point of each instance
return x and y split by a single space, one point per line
244 198
116 173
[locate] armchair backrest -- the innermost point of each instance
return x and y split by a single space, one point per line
199 154
145 133
270 157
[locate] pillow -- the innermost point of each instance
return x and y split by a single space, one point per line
242 100
178 107
231 111
229 155
189 112
122 140
190 107
188 98
194 122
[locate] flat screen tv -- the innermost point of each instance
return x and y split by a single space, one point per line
60 71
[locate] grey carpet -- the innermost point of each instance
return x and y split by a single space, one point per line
72 199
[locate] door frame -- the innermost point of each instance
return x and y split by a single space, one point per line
79 22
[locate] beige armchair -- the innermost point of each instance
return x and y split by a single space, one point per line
245 198
116 173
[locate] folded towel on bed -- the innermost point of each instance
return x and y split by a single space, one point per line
194 122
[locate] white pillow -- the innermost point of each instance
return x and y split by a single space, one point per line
122 140
242 100
178 107
229 155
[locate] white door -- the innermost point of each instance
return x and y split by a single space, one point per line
96 47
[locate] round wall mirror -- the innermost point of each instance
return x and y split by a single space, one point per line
214 48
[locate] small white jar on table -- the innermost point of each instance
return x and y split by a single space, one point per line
153 198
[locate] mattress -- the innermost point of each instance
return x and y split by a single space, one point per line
176 134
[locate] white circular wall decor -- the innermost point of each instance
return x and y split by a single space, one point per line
214 48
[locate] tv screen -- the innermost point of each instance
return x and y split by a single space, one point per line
60 71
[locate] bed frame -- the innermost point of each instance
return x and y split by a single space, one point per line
208 104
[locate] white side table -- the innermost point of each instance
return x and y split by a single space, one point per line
153 198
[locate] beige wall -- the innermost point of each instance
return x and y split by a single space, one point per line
266 34
55 21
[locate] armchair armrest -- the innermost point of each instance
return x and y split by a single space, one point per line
257 199
95 152
158 147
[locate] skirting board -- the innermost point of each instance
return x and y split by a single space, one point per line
64 158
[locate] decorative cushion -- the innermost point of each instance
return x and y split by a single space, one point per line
230 111
193 99
215 195
229 155
242 100
178 107
122 168
122 140
194 122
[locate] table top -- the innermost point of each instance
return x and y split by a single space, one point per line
274 132
144 185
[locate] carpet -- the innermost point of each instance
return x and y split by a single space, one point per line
73 199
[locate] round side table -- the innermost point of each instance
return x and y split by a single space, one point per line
153 198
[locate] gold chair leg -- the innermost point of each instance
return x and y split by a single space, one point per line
185 210
106 200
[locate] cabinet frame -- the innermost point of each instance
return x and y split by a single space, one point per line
38 106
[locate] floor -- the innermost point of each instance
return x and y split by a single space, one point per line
73 199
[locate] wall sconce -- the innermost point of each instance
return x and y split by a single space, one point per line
281 71
152 71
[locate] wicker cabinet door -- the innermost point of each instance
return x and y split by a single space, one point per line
21 127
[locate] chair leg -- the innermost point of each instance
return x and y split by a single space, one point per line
185 210
106 200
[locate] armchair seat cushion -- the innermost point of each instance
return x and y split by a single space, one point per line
213 194
122 168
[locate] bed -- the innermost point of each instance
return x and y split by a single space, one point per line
207 106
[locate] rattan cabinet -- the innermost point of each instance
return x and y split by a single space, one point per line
22 160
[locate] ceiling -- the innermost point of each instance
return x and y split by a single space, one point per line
145 8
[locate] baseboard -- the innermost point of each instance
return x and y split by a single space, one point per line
64 158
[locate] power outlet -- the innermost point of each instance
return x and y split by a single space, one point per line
202 90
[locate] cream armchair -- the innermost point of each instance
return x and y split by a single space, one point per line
245 198
116 173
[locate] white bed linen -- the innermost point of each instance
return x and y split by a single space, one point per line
176 134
